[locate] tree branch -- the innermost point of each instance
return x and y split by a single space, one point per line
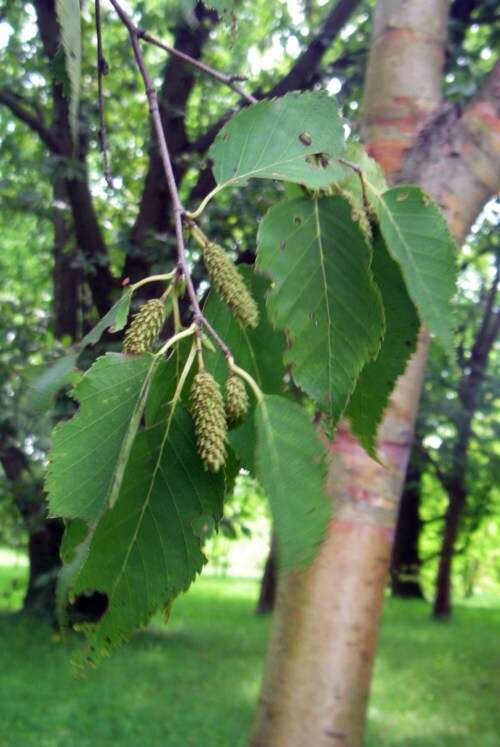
440 474
227 80
178 81
487 19
458 153
102 69
87 228
488 329
302 72
305 67
12 458
13 101
183 267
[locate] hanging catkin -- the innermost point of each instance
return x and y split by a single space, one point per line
145 328
225 277
235 401
209 420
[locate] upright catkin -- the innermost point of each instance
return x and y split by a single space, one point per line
145 327
209 420
235 401
225 277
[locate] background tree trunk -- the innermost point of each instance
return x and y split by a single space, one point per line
44 564
66 277
44 536
405 562
455 482
318 669
442 599
268 584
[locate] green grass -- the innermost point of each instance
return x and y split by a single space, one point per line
194 682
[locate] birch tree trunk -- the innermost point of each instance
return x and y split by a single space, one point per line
319 663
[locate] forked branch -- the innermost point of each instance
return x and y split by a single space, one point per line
198 318
232 81
102 69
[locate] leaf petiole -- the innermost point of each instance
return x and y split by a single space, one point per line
201 207
259 395
152 279
173 340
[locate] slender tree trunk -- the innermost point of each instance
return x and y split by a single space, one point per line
319 663
267 595
86 224
442 601
455 482
153 218
65 276
44 560
44 537
405 563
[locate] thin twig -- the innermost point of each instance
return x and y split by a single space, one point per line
102 69
176 312
218 339
228 80
359 172
178 209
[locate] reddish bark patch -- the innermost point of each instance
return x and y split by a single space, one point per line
485 113
388 153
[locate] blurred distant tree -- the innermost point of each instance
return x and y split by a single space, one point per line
423 514
405 561
269 581
24 342
452 462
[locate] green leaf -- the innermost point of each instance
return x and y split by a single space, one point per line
115 320
90 451
146 549
295 138
291 471
43 389
68 15
164 384
377 379
323 295
259 351
75 532
203 526
417 237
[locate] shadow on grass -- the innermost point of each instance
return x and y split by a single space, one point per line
436 684
165 689
437 739
194 682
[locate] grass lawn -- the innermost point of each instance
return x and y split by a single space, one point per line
193 683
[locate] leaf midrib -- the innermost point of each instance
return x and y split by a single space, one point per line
381 201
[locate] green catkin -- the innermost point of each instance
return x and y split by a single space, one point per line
235 401
209 421
225 277
145 328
